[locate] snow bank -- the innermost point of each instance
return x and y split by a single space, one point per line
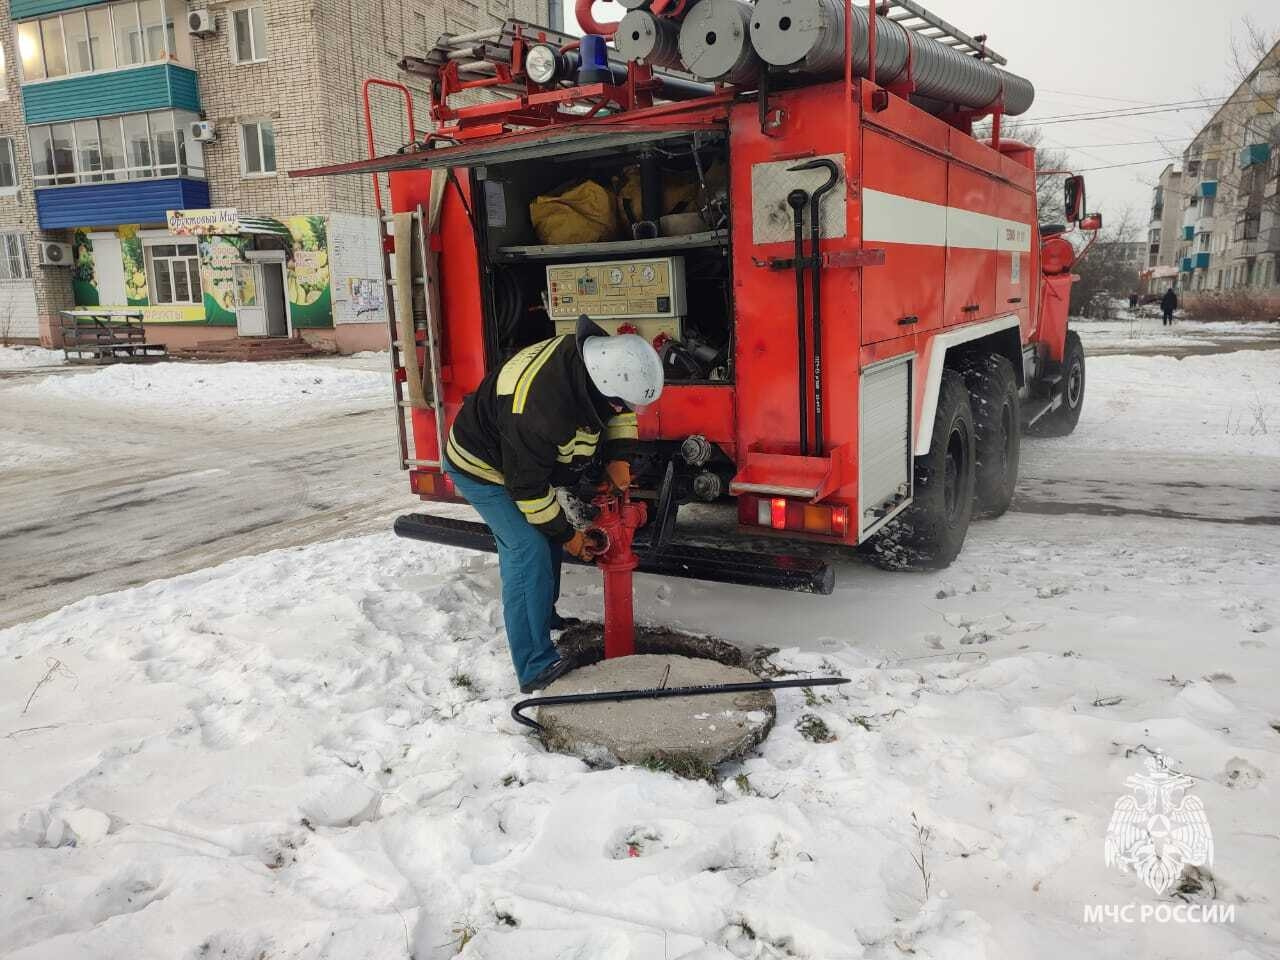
1220 403
1146 329
20 358
309 754
236 391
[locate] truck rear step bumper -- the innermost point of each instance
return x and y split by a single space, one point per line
801 574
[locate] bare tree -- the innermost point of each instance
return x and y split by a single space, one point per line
1106 272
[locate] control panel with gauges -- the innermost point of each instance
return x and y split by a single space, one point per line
623 296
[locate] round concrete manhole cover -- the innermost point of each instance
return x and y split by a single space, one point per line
680 733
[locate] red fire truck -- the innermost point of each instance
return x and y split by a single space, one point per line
856 305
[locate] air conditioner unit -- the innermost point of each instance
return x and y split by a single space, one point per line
201 23
55 254
203 131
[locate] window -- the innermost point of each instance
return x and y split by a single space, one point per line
248 34
124 17
175 272
88 150
137 143
164 144
75 28
101 45
157 29
257 148
102 38
113 154
136 146
8 166
55 54
14 264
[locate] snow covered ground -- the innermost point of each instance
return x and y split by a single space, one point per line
21 358
237 392
1144 330
307 753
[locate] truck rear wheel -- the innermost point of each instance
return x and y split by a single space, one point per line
929 534
1062 421
993 392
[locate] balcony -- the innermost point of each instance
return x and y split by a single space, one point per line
1188 264
1254 155
111 204
1208 188
1189 233
158 86
1202 261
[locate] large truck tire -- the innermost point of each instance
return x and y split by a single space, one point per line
993 394
1062 421
929 534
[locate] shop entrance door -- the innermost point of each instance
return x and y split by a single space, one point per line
261 310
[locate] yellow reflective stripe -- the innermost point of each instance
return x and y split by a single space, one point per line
622 427
526 379
583 444
472 464
581 438
544 516
541 503
513 368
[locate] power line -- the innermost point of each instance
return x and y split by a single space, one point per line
1135 163
1085 118
1130 143
1094 96
1089 113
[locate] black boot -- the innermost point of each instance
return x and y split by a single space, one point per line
548 676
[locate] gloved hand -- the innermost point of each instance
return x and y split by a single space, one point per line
578 546
618 473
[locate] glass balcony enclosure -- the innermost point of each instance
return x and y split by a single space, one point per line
135 146
97 39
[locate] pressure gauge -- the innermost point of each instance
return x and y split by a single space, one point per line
647 274
615 276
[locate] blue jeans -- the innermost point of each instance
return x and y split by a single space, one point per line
530 568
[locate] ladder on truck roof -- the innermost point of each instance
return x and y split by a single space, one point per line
911 16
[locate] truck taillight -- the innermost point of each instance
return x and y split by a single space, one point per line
437 486
779 513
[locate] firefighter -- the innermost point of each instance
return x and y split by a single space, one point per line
533 425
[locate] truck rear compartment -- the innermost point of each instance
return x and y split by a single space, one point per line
532 289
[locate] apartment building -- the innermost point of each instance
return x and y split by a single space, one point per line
148 144
1226 218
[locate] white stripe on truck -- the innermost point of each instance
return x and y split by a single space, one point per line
891 218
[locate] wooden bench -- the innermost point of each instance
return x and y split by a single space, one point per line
107 336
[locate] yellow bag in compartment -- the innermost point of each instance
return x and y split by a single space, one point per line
582 212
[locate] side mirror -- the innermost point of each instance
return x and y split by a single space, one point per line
1092 223
1073 199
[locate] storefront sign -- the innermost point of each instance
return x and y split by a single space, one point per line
200 223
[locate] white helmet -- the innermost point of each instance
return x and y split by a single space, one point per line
624 367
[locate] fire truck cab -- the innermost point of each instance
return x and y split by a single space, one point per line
856 305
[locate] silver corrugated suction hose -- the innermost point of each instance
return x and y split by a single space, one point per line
714 44
807 36
648 39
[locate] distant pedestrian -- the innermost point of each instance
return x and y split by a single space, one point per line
1133 301
1168 304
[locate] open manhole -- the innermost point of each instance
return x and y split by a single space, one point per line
687 735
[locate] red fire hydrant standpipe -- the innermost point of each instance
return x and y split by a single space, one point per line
613 530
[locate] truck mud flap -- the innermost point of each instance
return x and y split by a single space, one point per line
771 571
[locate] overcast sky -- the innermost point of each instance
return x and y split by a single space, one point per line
1101 54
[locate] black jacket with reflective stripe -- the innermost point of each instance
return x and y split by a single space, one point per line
535 424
